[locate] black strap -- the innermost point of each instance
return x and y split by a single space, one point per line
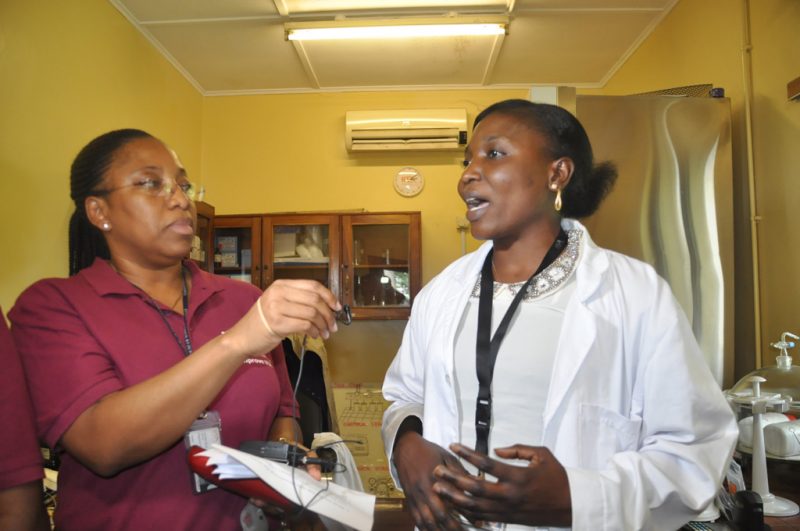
186 346
487 347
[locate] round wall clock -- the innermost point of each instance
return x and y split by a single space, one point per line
408 182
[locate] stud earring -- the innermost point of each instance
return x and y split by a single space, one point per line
557 203
106 226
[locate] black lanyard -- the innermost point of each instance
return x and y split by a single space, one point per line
186 346
487 347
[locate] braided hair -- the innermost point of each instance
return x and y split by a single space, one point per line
565 137
86 242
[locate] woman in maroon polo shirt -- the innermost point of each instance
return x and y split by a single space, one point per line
21 473
125 354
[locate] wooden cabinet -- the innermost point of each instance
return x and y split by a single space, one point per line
371 261
381 260
202 250
237 247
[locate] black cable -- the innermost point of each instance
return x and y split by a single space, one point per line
344 316
295 427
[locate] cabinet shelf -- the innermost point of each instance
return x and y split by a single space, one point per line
301 266
381 266
378 306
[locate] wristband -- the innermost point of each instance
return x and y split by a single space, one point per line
264 320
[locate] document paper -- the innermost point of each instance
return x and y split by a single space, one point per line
350 507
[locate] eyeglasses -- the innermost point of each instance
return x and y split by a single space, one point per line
157 187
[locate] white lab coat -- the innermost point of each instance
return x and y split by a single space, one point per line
633 412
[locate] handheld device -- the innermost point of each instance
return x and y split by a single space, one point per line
275 451
288 453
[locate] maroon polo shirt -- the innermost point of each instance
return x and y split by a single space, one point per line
95 333
20 459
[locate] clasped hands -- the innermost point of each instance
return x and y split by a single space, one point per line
439 490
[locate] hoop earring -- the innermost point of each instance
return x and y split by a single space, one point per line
557 203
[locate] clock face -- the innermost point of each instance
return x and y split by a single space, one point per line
408 182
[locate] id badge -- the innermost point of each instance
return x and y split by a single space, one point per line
204 431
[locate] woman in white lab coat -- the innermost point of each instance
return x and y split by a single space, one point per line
584 402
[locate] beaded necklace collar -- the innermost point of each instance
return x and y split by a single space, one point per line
549 279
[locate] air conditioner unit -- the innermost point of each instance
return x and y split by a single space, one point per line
420 129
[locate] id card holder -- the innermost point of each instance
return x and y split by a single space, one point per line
204 431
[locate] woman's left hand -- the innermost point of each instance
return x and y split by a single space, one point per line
537 494
315 471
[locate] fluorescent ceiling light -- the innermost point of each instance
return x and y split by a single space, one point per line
395 32
392 29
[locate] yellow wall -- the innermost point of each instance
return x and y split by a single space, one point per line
277 153
701 41
71 72
776 145
68 72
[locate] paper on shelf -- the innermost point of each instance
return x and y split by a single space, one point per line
350 507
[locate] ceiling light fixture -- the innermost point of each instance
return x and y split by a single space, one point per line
395 29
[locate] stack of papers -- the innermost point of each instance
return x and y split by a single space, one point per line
349 507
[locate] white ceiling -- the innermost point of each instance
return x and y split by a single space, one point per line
239 46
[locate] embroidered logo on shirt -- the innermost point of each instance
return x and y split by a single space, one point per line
259 360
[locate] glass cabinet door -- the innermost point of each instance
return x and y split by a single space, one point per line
302 246
237 248
381 264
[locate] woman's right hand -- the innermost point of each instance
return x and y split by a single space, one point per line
286 307
415 458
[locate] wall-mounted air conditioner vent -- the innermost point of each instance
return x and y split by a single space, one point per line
416 129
